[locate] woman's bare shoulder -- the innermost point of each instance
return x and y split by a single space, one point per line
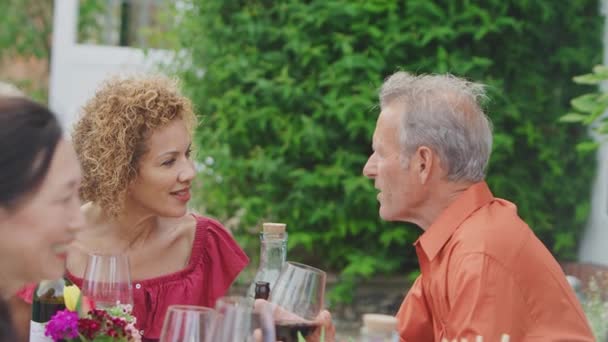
93 214
186 227
182 229
93 238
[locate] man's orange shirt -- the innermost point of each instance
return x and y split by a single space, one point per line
484 272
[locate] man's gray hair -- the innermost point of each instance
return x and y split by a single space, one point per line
444 113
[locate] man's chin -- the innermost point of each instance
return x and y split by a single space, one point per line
386 216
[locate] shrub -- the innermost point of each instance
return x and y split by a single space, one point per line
288 97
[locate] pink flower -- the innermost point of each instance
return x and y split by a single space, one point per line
64 324
135 336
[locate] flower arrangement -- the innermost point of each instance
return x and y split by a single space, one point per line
81 322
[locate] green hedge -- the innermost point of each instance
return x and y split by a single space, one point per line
288 100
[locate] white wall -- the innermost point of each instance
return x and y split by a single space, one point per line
77 69
594 245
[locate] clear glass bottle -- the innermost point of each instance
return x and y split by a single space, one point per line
273 253
47 300
379 328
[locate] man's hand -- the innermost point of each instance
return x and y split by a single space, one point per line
323 320
327 325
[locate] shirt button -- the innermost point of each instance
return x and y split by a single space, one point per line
138 286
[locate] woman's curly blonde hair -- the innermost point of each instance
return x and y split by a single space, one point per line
110 136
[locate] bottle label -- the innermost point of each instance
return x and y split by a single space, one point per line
37 332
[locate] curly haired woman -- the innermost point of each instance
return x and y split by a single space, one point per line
134 141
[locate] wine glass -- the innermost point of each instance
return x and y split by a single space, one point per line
107 281
238 321
299 294
187 323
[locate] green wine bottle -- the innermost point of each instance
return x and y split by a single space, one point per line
48 299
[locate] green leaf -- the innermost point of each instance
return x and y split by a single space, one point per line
587 146
586 103
79 305
599 111
601 70
590 78
573 117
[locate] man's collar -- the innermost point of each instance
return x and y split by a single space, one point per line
441 230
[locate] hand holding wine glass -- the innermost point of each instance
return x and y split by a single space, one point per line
327 329
298 299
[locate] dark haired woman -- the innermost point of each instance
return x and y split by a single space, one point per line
39 203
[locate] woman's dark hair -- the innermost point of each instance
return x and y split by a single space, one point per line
29 133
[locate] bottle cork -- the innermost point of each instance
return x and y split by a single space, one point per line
276 228
379 323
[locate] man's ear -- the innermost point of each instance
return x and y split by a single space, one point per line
424 160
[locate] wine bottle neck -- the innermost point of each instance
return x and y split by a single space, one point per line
273 250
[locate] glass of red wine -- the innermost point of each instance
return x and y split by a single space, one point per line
107 281
187 323
299 294
237 320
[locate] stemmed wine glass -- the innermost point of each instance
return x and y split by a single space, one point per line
299 293
107 281
237 320
187 323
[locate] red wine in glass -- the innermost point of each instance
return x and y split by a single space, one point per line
287 331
